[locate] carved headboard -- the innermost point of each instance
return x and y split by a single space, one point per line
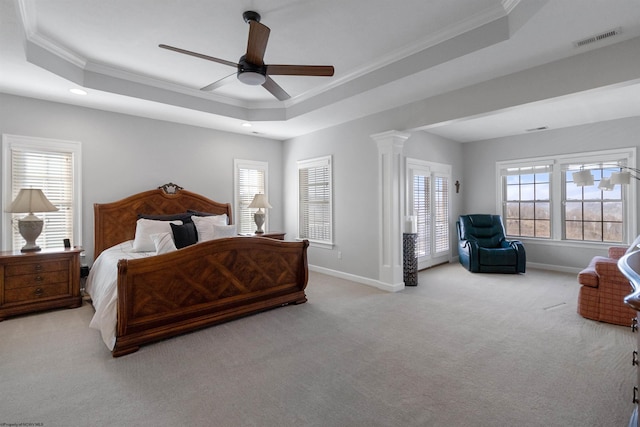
116 222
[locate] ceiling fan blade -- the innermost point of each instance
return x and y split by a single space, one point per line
198 55
275 89
223 81
300 70
257 43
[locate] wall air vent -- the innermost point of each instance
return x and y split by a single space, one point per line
598 37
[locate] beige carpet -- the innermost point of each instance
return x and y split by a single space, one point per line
460 349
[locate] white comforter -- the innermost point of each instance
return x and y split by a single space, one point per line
102 287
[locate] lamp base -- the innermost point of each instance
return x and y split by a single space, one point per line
258 217
30 228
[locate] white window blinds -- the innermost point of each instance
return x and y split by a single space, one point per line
315 200
441 208
422 211
53 173
251 179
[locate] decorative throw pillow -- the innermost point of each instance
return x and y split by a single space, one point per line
184 217
145 228
184 235
220 231
163 243
204 225
199 213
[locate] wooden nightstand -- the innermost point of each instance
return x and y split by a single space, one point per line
34 281
278 235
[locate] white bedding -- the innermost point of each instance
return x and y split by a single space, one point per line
102 287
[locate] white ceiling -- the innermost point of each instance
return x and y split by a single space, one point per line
385 53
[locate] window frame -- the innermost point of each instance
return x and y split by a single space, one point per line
253 165
557 192
323 161
535 168
29 143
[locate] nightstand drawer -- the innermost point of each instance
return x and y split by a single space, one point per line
36 292
37 279
36 267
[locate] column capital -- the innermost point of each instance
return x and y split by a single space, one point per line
390 137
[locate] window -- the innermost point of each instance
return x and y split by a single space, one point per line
429 186
54 167
539 198
592 214
527 207
250 179
315 200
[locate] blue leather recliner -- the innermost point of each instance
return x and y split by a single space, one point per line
483 248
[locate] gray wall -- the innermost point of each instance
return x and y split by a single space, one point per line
479 178
123 155
355 179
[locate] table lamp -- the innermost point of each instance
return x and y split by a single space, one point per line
30 200
259 201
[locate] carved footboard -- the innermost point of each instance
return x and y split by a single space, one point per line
205 284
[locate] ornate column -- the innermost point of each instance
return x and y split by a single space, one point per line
390 207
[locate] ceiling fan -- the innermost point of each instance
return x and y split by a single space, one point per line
251 67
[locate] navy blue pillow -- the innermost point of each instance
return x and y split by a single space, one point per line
184 235
184 217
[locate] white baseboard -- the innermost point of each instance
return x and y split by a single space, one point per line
358 279
560 268
400 286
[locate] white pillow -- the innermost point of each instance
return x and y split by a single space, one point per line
145 228
204 225
220 231
163 243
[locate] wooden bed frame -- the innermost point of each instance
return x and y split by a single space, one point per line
197 286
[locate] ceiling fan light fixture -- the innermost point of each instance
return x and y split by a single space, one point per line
252 78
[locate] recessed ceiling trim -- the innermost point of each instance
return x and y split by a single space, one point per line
509 5
27 16
161 84
485 17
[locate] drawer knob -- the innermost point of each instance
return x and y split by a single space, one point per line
38 267
38 279
634 361
38 292
634 324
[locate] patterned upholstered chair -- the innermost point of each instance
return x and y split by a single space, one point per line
603 290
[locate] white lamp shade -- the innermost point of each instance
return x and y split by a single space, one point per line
259 201
620 178
583 178
605 184
31 200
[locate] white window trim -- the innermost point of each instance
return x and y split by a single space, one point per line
39 144
628 192
249 164
310 163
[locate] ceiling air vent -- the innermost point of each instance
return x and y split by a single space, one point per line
537 129
598 37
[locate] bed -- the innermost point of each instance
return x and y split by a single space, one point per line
142 296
